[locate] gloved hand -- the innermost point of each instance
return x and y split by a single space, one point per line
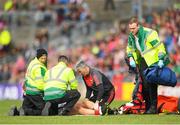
160 63
96 105
132 62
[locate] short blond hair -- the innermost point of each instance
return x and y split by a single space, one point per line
134 20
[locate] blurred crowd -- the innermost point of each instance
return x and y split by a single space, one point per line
16 12
41 14
105 49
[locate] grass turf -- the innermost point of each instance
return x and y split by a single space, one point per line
119 119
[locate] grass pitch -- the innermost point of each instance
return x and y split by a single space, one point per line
119 119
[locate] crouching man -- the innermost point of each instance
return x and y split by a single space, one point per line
60 89
33 102
100 90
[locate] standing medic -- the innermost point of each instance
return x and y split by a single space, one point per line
144 49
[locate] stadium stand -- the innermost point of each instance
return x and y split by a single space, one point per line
69 27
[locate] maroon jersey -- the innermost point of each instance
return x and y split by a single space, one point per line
97 83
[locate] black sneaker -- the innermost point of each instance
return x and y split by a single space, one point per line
21 111
63 111
152 110
103 109
45 111
13 111
110 111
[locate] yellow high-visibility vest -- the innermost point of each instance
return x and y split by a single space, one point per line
57 80
35 77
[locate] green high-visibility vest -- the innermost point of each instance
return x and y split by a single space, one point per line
151 49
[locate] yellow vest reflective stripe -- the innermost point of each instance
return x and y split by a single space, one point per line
151 53
73 80
54 79
35 81
148 34
30 70
52 93
60 73
58 80
57 77
38 78
151 49
32 89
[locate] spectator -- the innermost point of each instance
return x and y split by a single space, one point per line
109 3
5 73
5 38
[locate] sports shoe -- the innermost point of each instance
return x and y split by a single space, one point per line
103 109
45 111
113 111
13 111
62 111
152 110
21 111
